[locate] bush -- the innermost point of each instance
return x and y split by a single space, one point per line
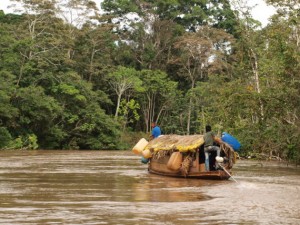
5 137
129 139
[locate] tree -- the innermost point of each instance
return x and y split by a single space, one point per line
189 14
5 137
122 80
95 46
249 42
151 47
75 13
158 97
37 114
83 123
50 105
35 14
281 75
8 112
129 112
194 62
196 53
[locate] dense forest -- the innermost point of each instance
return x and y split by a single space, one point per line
74 78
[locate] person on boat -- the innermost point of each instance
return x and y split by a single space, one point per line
209 140
155 131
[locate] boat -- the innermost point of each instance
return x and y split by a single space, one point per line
183 156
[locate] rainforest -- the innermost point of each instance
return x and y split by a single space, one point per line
76 77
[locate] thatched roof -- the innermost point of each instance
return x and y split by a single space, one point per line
176 142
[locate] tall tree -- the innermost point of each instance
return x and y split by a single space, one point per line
8 112
196 52
32 32
151 47
159 96
189 14
122 80
75 13
281 72
249 43
95 46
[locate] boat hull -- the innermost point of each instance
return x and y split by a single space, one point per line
196 171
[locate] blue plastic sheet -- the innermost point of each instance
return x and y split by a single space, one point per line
232 141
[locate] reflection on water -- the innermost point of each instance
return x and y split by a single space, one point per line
113 187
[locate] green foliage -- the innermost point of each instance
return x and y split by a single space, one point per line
119 6
130 138
80 85
5 137
32 141
28 142
188 14
7 89
125 78
17 143
129 111
159 94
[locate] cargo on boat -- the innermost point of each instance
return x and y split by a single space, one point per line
183 156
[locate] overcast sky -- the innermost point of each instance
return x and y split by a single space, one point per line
262 12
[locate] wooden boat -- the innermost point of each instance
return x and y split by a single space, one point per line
190 151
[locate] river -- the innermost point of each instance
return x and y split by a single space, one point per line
114 188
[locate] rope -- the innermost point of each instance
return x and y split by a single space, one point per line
230 154
185 166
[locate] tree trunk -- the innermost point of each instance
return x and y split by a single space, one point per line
118 105
21 71
91 65
188 127
203 119
189 117
257 83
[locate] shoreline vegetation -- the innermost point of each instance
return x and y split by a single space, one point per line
99 80
260 158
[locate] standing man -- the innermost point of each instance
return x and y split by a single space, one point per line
155 131
209 139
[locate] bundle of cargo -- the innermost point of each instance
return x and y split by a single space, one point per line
176 143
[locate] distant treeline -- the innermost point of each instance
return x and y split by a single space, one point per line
76 79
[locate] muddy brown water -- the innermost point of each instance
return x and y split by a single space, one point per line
113 187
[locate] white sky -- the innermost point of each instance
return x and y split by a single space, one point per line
262 12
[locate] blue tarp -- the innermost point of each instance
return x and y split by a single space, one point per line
232 141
